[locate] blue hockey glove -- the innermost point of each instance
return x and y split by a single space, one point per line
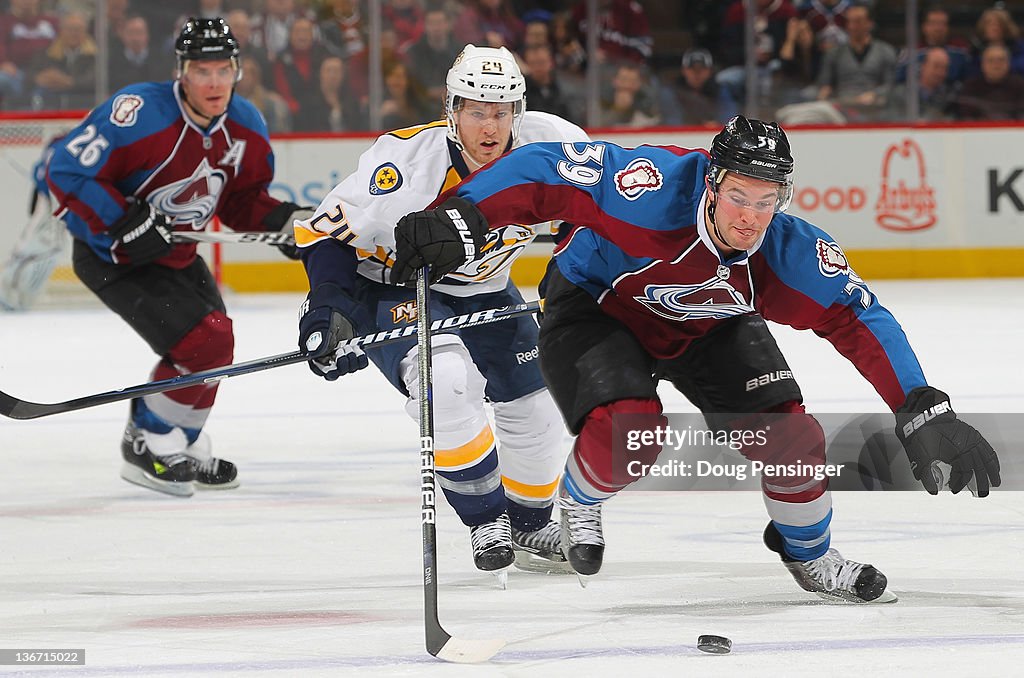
931 433
323 325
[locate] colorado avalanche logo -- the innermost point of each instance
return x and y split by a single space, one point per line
831 259
124 112
712 299
639 177
191 201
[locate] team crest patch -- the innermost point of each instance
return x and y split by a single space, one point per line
640 176
831 259
386 178
124 112
404 312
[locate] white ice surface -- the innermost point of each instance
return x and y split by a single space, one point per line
312 566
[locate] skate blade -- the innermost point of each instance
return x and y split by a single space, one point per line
501 576
207 487
886 597
583 579
133 474
531 562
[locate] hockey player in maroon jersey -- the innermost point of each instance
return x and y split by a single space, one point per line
155 158
679 258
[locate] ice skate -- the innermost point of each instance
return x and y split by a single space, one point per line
541 550
211 473
170 473
492 548
831 576
582 536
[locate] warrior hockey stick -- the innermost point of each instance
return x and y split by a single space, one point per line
439 643
16 408
230 237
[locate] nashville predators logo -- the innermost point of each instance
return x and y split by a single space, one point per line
404 312
386 178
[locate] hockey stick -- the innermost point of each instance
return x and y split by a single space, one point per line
16 408
231 237
439 642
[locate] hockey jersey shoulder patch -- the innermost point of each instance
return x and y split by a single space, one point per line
831 259
637 178
124 111
386 178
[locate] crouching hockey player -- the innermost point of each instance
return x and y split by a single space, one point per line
683 256
501 481
158 157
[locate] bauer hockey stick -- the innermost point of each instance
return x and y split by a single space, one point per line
439 642
231 237
15 408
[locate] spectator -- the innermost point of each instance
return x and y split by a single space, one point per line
65 74
935 94
297 74
629 104
132 60
24 33
858 76
799 62
996 26
543 90
997 93
342 32
432 55
405 19
333 109
489 23
827 18
271 105
770 31
935 33
271 30
406 102
695 98
537 31
624 33
570 56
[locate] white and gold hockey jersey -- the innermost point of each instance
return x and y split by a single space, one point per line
403 172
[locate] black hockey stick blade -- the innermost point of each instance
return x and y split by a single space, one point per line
23 409
230 237
438 641
15 408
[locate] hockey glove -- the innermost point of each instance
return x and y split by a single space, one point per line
323 325
281 218
140 236
444 239
931 433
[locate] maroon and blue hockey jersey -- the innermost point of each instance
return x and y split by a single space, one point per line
141 143
642 249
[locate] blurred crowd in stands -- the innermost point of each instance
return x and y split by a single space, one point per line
306 63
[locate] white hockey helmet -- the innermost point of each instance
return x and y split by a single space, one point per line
484 74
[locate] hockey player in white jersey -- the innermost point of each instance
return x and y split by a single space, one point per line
502 482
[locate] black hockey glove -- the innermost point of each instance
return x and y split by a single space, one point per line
444 239
931 433
140 236
280 219
323 325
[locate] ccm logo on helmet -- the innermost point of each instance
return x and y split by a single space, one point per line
463 228
485 85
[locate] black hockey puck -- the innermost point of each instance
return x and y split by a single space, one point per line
714 644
